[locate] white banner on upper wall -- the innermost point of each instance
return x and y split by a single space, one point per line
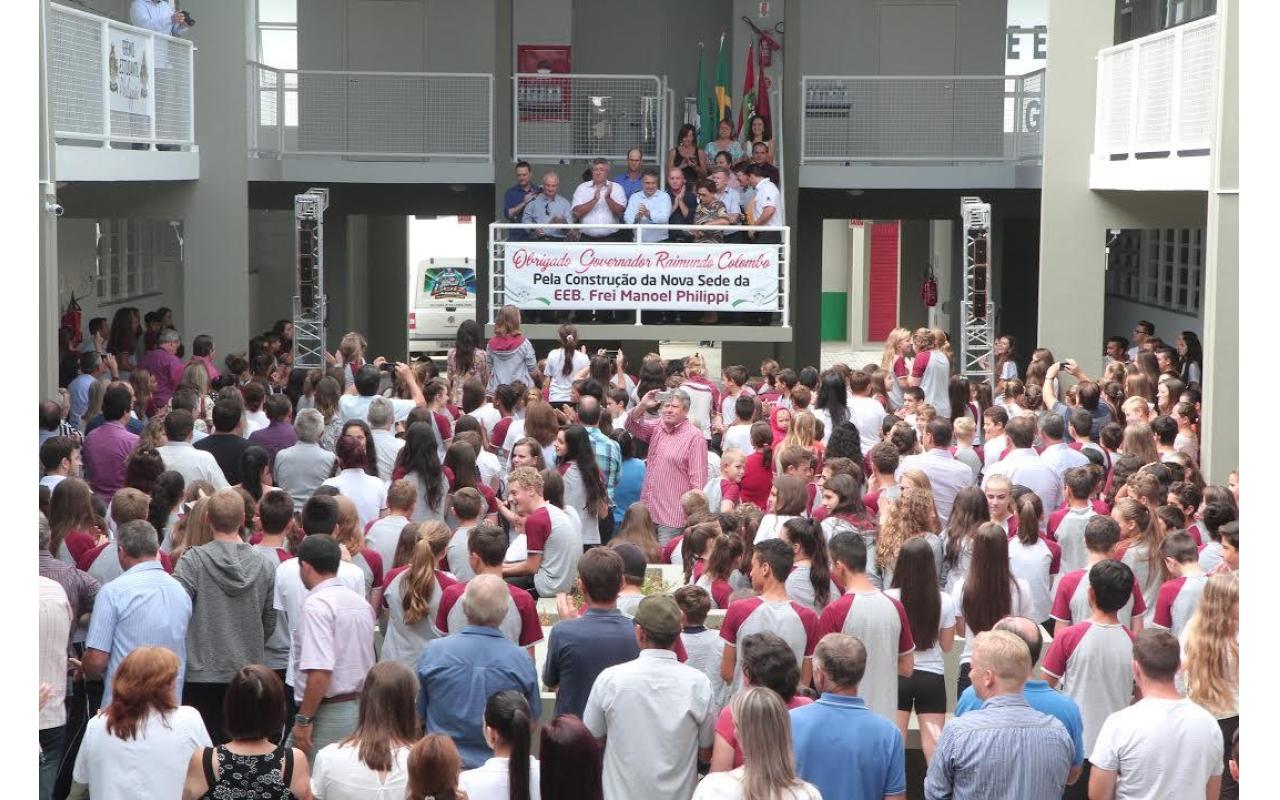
689 277
131 73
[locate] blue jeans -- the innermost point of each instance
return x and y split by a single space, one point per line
51 740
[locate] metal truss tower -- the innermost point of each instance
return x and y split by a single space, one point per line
309 311
977 335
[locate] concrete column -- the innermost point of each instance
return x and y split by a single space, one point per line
1221 424
48 233
941 254
214 209
1072 274
837 265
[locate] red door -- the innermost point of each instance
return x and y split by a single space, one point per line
882 281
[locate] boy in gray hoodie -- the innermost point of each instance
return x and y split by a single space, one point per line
231 584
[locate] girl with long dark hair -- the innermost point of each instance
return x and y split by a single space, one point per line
725 556
466 359
255 471
512 773
687 157
1188 346
1033 557
931 615
563 363
1141 537
990 592
162 512
832 405
583 485
360 430
420 460
757 473
73 524
808 583
842 498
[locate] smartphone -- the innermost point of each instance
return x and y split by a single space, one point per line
663 397
1063 365
388 366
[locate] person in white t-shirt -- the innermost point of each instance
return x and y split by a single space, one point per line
994 441
563 363
511 772
768 205
1163 747
366 491
865 411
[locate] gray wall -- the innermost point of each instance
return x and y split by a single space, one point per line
655 38
857 37
397 35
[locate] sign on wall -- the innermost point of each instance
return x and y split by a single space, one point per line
131 73
703 277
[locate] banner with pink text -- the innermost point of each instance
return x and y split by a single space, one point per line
689 277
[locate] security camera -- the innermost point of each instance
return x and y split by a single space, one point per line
54 208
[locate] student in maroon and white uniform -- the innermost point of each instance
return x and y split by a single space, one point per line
877 620
808 583
999 491
931 371
1033 557
1067 524
766 661
968 514
1180 596
884 460
931 616
1186 497
487 545
553 538
1214 516
842 500
1140 537
1091 660
1071 598
770 612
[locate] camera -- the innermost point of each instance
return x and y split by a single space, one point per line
663 397
54 208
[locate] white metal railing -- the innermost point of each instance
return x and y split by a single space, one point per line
143 94
569 117
769 291
929 118
1156 94
412 115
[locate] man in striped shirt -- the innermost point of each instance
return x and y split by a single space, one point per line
677 460
1006 749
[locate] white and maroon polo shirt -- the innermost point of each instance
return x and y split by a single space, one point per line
1067 526
1177 601
1071 602
1093 664
880 623
797 625
520 624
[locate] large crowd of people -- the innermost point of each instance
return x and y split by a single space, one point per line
363 581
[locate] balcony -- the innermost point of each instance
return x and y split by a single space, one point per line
922 132
120 100
369 127
1156 105
561 118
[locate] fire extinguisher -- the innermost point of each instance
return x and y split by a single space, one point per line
929 287
71 321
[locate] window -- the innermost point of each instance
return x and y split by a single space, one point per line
132 255
278 48
1162 268
1138 18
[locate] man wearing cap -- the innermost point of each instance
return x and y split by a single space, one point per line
672 703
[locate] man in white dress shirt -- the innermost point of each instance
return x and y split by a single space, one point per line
158 16
179 456
947 476
768 208
599 201
1023 467
1057 454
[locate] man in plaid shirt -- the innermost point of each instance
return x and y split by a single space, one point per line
608 454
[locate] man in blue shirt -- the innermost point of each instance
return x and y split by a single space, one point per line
630 181
842 747
144 606
515 199
92 367
1005 750
548 206
458 674
578 650
649 206
1037 693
